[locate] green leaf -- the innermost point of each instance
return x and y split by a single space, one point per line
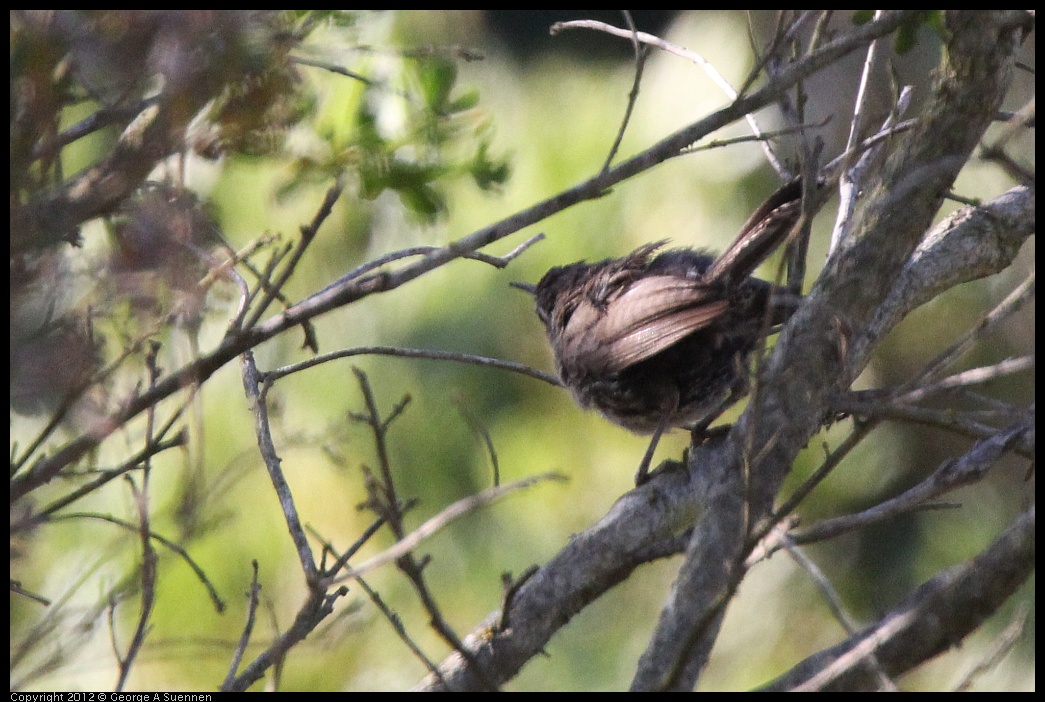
486 172
437 77
423 200
465 102
907 34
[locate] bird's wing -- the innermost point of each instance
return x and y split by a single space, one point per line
653 314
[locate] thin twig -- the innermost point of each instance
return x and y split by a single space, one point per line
400 629
860 108
343 558
854 170
308 234
1003 310
886 132
318 605
1001 647
972 376
484 435
148 588
150 561
834 603
951 474
16 587
640 63
765 136
212 591
995 150
820 29
248 627
73 395
385 501
97 120
431 354
941 611
130 464
716 77
861 430
438 522
257 403
387 505
265 285
226 268
374 264
334 68
962 424
511 587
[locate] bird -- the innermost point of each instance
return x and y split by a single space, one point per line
661 338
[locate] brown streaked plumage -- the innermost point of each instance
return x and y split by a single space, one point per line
662 338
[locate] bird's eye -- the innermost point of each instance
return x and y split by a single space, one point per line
566 314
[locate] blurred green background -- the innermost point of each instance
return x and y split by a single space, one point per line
553 105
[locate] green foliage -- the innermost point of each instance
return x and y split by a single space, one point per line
437 77
907 35
438 134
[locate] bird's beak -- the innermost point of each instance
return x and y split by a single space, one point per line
528 287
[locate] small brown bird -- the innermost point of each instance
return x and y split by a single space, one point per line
656 340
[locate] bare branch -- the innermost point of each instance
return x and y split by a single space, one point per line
640 63
943 610
380 261
148 584
256 401
385 502
248 627
133 463
834 602
953 474
858 158
431 354
716 77
201 575
399 627
458 509
308 234
1013 302
1006 640
16 587
969 244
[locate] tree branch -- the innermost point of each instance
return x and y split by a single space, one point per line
937 615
